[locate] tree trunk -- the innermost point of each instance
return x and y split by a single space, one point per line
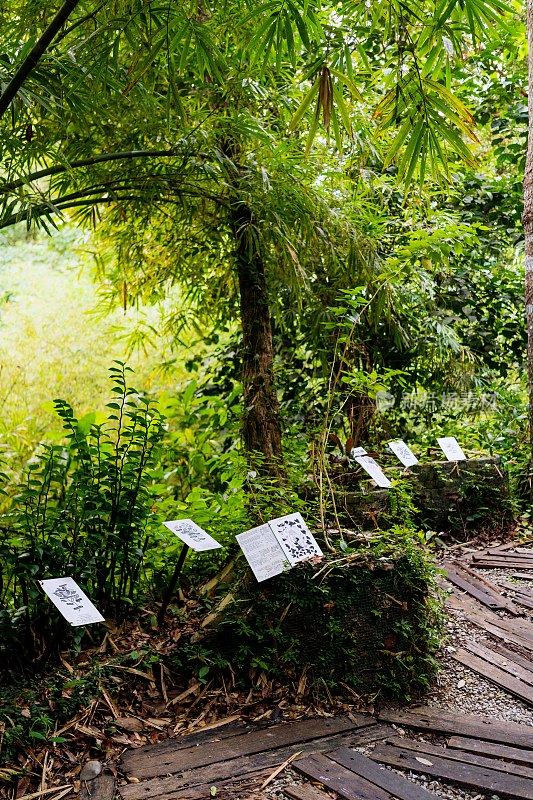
261 427
528 226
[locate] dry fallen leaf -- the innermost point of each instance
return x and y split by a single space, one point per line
424 761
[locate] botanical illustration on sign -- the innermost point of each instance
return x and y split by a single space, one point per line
451 448
374 470
192 535
295 538
71 601
403 453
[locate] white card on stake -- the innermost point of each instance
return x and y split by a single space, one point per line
451 449
295 538
192 535
375 471
403 453
263 552
74 604
357 451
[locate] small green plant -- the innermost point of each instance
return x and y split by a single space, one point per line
84 509
374 614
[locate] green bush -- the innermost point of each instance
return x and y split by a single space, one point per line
84 509
369 619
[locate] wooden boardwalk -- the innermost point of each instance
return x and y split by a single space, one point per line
474 752
479 753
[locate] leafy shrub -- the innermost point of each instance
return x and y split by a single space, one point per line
84 509
369 619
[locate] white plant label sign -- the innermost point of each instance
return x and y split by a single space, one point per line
263 552
69 599
375 471
403 453
357 451
451 448
192 535
295 538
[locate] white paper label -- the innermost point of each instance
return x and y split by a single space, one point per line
374 470
191 534
451 449
357 451
74 604
263 552
403 453
295 538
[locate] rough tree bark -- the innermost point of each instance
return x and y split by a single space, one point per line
261 427
528 225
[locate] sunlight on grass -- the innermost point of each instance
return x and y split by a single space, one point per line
53 344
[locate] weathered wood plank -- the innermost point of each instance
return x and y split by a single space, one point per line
503 563
495 675
501 783
476 587
341 780
199 737
520 626
440 721
521 595
493 656
168 786
145 765
430 750
398 786
501 751
490 622
516 587
307 792
512 655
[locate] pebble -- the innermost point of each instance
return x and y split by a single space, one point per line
90 770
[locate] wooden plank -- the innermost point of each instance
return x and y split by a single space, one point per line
504 563
495 675
493 656
490 622
516 587
461 602
482 590
511 786
230 789
147 765
521 594
428 750
511 655
341 780
501 751
522 576
307 792
398 786
440 721
101 788
199 737
167 786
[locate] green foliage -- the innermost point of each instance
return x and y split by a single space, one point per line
373 611
84 509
